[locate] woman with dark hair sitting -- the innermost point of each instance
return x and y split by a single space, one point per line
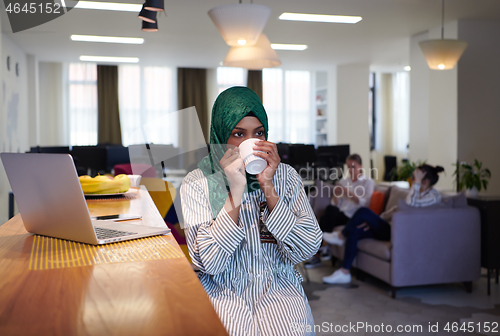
366 224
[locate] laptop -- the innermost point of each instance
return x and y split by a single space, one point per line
51 201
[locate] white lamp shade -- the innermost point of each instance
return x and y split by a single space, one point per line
255 57
240 22
442 54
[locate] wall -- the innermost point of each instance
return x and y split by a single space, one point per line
14 115
33 101
383 126
51 116
433 109
331 124
478 97
419 100
352 109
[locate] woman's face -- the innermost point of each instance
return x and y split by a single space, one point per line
355 169
247 128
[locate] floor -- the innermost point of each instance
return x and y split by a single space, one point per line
368 304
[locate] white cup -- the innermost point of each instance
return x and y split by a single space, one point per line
253 164
134 180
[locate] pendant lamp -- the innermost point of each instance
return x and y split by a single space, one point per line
255 57
149 26
155 5
240 24
147 15
442 54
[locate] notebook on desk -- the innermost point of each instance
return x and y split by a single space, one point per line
51 201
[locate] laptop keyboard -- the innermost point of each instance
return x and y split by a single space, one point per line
103 233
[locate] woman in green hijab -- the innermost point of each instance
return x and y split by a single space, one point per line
246 232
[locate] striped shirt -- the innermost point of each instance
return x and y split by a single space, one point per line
429 197
253 286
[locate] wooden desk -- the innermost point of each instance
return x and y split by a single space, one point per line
153 297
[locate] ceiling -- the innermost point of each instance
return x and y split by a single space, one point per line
188 38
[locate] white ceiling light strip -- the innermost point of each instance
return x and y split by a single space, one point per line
113 6
107 39
281 46
320 18
109 59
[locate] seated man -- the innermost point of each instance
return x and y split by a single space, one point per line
349 195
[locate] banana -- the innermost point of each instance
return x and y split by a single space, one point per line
126 182
104 184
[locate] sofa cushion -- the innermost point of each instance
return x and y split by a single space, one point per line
377 202
457 201
320 197
377 248
395 195
403 206
384 189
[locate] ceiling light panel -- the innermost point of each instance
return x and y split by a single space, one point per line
107 39
281 46
109 59
320 18
113 6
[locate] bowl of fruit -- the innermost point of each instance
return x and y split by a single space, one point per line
104 185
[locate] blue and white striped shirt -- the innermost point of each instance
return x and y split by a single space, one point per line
253 286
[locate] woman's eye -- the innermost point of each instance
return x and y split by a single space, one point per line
238 134
260 133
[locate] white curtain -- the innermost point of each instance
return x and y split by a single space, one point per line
272 90
287 99
147 111
298 106
400 113
228 77
81 93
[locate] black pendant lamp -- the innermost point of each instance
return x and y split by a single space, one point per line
149 26
155 5
147 15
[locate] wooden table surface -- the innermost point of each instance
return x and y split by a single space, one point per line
153 297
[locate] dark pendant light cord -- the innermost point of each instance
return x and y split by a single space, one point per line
442 20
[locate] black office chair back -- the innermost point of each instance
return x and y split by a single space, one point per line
390 168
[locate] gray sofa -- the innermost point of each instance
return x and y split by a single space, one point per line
428 246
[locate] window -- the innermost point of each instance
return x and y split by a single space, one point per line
272 87
228 77
371 110
401 113
298 106
82 104
147 111
287 99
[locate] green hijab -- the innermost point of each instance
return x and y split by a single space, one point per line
229 108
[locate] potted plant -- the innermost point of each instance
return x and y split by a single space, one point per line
405 172
472 177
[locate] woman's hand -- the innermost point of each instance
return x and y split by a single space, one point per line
365 226
234 168
418 175
270 154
